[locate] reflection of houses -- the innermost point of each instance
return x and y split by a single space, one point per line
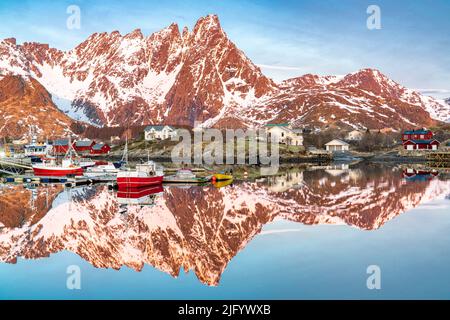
159 133
411 174
419 140
337 145
290 180
337 169
285 134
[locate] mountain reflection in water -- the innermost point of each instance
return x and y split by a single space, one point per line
200 228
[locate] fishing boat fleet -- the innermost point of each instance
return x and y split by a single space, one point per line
143 175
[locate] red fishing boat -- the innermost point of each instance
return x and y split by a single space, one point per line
145 175
49 168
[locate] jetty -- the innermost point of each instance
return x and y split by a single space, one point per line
439 159
67 181
14 166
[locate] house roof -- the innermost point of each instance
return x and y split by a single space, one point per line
158 128
357 131
83 143
61 142
277 125
337 142
417 132
422 141
286 129
98 146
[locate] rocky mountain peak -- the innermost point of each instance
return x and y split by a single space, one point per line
185 77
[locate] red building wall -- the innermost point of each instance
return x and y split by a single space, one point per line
60 149
427 136
83 149
104 150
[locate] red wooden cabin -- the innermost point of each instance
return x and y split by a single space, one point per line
432 144
60 146
100 148
83 146
421 134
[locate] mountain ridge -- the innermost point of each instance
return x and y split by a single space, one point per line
200 76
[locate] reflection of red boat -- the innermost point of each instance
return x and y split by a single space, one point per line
143 196
139 193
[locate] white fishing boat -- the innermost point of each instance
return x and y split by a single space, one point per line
109 170
35 148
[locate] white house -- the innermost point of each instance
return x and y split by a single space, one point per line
285 134
337 145
160 133
355 135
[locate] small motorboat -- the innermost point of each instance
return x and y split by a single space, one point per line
86 163
223 183
145 175
222 176
103 170
186 176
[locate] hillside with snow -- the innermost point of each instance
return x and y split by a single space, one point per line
184 77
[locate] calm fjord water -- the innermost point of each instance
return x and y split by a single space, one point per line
302 235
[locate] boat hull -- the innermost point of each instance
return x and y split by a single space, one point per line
176 180
223 177
137 193
57 171
138 182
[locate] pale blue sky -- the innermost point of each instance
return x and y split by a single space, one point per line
286 38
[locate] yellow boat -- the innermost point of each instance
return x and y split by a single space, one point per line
222 184
223 176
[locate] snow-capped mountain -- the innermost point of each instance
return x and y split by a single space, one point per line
24 102
200 75
209 230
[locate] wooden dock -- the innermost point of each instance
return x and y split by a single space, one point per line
68 181
13 166
439 159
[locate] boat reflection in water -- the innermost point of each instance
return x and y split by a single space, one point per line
139 196
199 228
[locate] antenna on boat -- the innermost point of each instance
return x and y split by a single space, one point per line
125 150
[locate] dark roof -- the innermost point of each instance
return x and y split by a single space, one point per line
98 146
417 132
277 125
157 128
423 141
61 142
83 143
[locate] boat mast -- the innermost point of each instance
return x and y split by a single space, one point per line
70 149
125 151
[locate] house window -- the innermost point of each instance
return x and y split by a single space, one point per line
282 134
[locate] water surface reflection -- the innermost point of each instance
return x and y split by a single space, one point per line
200 229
